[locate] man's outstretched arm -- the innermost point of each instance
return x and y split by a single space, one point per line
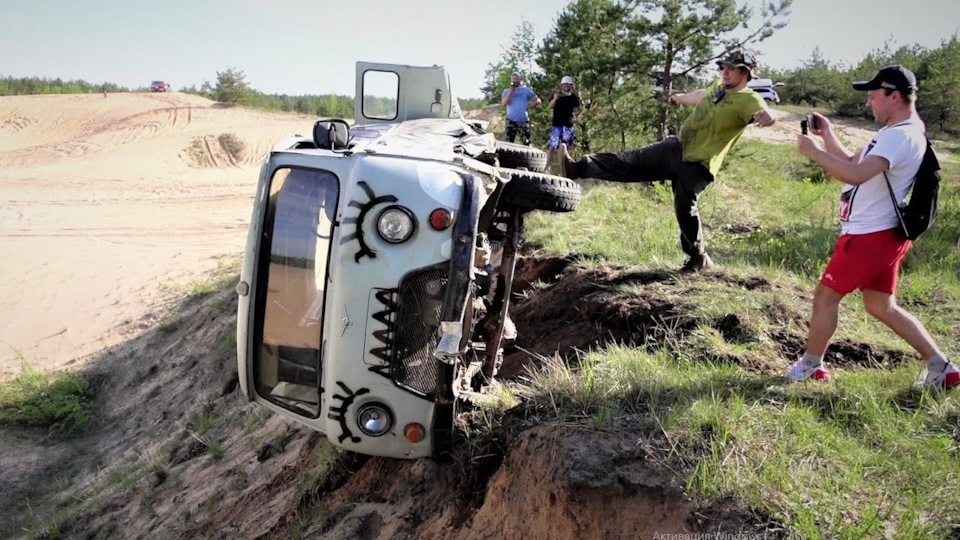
689 99
765 117
844 170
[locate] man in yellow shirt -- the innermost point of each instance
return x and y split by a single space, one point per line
722 112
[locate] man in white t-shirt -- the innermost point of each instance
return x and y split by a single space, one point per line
868 253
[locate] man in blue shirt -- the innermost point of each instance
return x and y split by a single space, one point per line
518 99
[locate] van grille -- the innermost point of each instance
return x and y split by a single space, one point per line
419 303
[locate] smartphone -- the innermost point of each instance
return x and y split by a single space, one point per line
803 126
812 122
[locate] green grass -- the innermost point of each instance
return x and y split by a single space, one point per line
861 456
62 402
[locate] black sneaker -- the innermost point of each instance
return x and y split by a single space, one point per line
697 263
568 167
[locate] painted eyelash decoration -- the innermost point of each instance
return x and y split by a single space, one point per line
339 414
387 297
372 200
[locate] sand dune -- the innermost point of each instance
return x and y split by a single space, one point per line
107 205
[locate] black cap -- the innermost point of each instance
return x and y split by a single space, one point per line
892 78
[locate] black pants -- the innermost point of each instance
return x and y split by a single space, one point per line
659 161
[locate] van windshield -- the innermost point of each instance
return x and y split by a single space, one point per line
291 283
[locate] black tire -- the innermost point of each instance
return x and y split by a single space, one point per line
535 191
516 156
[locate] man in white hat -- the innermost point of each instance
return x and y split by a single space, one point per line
567 110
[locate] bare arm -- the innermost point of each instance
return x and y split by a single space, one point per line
830 143
689 99
553 101
535 102
765 117
506 98
843 169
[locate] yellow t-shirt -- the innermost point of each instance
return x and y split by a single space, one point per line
714 126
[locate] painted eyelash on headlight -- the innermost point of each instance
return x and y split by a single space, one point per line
339 414
372 200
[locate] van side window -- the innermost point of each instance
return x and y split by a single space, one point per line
291 283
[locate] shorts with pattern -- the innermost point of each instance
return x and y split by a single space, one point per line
560 134
523 128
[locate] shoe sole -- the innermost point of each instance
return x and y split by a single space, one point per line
818 375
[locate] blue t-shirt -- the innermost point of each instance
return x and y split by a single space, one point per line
518 104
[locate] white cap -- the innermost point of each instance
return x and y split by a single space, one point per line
566 80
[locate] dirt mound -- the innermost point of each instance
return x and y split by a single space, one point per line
492 114
178 453
555 482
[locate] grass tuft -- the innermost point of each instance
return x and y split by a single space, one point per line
36 399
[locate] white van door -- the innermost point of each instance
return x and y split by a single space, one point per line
395 93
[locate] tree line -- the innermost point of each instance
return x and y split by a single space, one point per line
619 50
824 85
12 86
229 86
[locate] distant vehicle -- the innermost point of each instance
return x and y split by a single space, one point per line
160 86
766 88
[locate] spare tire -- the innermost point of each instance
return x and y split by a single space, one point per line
535 191
517 156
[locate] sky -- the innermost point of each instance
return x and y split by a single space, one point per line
311 47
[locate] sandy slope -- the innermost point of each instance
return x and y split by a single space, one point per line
103 212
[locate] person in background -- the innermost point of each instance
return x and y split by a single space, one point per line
868 253
567 110
519 99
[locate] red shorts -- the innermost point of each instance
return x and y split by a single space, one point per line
866 261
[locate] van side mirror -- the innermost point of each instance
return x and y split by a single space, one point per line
331 134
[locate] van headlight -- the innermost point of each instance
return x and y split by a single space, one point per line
396 224
374 419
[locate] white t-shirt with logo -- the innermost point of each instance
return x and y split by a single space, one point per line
867 208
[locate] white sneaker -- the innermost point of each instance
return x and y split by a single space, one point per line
943 380
800 372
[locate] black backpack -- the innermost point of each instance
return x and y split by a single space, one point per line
919 212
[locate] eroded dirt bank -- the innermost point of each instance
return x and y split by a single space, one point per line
178 453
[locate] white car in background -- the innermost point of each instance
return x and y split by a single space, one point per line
766 88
